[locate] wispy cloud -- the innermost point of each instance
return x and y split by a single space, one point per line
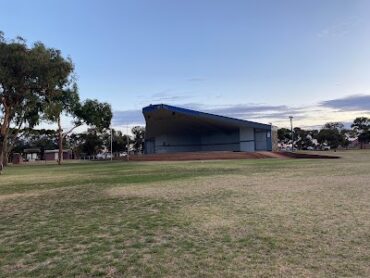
339 29
196 79
241 110
306 116
350 103
167 96
127 117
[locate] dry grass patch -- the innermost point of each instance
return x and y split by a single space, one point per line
20 195
262 218
182 188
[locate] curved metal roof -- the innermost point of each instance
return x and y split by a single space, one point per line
199 114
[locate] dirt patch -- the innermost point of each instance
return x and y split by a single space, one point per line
219 155
305 155
225 155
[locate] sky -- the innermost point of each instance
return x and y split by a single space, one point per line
259 60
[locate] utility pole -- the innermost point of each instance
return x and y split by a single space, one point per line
111 144
291 130
128 143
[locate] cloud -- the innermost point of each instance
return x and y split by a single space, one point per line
245 109
340 29
196 79
241 111
253 111
309 115
350 103
127 117
168 96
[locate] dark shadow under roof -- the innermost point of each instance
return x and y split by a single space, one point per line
199 114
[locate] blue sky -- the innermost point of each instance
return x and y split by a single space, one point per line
260 60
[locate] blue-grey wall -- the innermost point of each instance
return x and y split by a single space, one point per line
221 141
245 139
172 143
194 143
263 140
247 143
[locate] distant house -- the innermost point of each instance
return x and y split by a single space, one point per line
53 154
355 144
32 154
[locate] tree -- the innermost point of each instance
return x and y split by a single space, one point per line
284 135
90 112
42 139
346 134
334 125
303 138
361 127
120 141
38 81
331 135
62 97
22 83
138 140
92 142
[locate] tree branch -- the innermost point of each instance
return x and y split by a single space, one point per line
69 131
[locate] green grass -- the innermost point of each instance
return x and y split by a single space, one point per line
265 217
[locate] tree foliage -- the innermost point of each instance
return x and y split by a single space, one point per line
331 137
39 82
361 127
92 142
332 134
138 140
90 112
120 141
284 135
23 84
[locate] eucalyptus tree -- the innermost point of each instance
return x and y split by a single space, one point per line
89 112
361 127
138 140
61 97
21 86
332 134
37 81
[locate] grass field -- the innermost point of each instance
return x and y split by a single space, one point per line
249 218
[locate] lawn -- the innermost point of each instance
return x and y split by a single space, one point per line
262 218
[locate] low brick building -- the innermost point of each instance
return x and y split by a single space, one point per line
53 154
32 154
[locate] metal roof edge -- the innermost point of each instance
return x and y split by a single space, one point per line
153 107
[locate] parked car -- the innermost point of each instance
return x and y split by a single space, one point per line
106 155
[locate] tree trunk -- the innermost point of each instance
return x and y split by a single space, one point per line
9 147
6 152
1 153
60 142
4 136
